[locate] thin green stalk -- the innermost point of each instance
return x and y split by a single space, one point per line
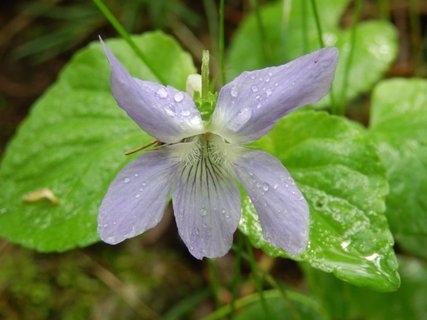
272 283
304 28
347 67
221 42
123 33
261 31
318 25
384 9
212 17
334 106
241 303
414 20
216 286
256 276
236 274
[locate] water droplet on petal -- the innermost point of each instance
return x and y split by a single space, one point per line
126 180
254 88
170 110
268 92
275 186
196 121
185 112
162 93
265 186
253 77
137 195
240 119
258 105
234 92
136 174
203 211
267 79
179 96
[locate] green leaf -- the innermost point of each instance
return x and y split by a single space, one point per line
343 180
287 37
274 306
344 301
73 143
399 126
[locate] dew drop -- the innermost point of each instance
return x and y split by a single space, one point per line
275 186
136 174
253 77
162 93
276 84
126 180
240 119
254 88
141 189
137 195
203 211
178 97
258 105
268 92
234 92
267 79
265 186
185 112
170 110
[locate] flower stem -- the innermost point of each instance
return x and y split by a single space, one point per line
221 42
353 34
334 106
261 31
205 76
256 276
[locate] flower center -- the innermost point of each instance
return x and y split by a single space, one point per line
205 147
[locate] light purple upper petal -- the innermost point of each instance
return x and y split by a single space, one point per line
164 112
282 210
206 204
252 103
136 199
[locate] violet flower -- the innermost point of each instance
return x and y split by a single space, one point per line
201 161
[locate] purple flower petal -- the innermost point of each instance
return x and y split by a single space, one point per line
206 204
164 112
251 104
136 199
282 210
